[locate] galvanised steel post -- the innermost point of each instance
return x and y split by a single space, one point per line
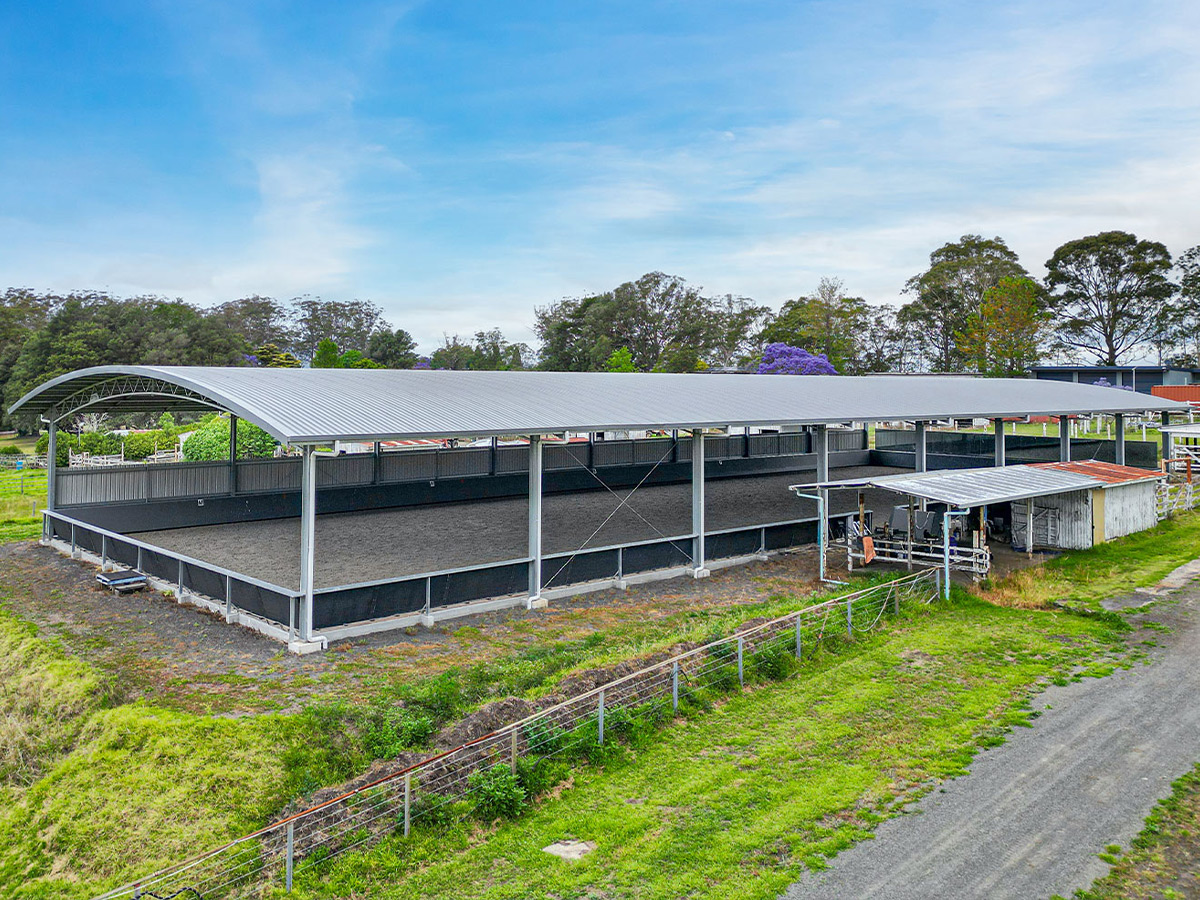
601 717
698 568
741 675
820 438
799 646
535 520
51 466
291 855
1119 429
920 448
675 686
308 529
1165 418
407 802
998 424
1064 439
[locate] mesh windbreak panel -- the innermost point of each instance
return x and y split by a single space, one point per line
582 567
262 602
737 543
780 537
493 581
363 603
200 580
663 555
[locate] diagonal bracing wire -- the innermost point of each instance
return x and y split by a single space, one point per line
624 501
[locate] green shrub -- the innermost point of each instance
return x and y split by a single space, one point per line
10 450
498 793
210 441
774 663
441 698
545 738
537 775
389 730
723 679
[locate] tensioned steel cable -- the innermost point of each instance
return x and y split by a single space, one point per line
608 519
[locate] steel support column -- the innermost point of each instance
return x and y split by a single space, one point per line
920 460
308 538
535 520
1119 434
821 448
1165 419
233 425
698 568
51 466
999 426
1064 439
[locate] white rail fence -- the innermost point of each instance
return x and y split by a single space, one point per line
270 858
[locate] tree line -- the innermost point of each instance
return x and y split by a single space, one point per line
975 308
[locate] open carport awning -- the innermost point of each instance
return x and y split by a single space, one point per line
966 488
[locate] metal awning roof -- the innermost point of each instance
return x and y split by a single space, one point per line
302 406
966 488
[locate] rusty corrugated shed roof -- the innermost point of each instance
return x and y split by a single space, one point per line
1109 473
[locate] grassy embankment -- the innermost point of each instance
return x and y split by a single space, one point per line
105 789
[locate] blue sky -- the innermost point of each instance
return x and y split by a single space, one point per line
460 163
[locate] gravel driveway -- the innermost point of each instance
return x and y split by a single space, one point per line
1032 815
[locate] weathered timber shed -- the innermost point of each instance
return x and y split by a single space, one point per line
1120 502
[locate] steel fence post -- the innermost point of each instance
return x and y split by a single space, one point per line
741 677
179 583
601 717
514 751
73 550
104 553
139 559
849 618
895 600
407 802
799 648
228 598
291 855
675 686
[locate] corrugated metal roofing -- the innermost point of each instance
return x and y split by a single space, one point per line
964 488
320 405
1109 473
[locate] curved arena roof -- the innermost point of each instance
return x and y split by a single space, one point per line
309 406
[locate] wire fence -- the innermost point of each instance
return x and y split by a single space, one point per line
581 728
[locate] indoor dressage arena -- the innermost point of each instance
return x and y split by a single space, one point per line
528 485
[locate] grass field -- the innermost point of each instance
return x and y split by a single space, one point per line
22 497
737 801
728 802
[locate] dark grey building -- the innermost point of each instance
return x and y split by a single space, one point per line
1140 378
